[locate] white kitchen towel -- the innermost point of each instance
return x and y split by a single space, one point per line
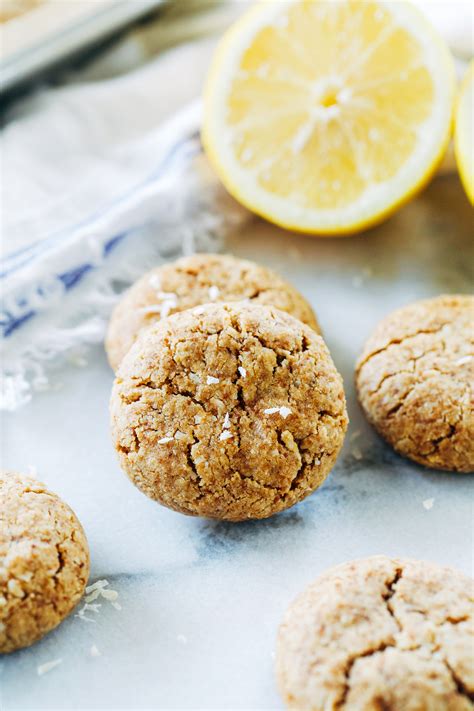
100 180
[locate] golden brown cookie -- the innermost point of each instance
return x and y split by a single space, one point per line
193 281
380 633
414 381
230 411
44 561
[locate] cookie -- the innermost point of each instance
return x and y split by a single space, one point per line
193 281
44 561
229 411
414 381
380 633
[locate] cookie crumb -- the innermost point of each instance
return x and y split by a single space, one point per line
48 666
211 380
428 504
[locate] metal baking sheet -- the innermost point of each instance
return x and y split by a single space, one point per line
52 30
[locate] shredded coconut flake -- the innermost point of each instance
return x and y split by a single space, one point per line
168 300
213 292
463 360
428 504
357 454
198 310
271 411
197 419
226 423
284 411
93 595
84 618
117 605
110 594
152 309
211 380
165 440
32 471
242 371
48 666
94 652
94 607
98 585
98 589
78 360
195 377
155 282
225 435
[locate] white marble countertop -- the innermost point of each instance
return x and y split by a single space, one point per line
201 600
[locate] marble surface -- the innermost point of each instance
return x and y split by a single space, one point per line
200 600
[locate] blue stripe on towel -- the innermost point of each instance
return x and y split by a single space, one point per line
182 151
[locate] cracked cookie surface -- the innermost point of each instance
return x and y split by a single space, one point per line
193 281
415 381
230 411
380 633
44 561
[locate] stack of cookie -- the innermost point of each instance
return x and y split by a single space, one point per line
230 407
227 404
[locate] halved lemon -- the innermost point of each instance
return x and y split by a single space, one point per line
463 142
324 116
